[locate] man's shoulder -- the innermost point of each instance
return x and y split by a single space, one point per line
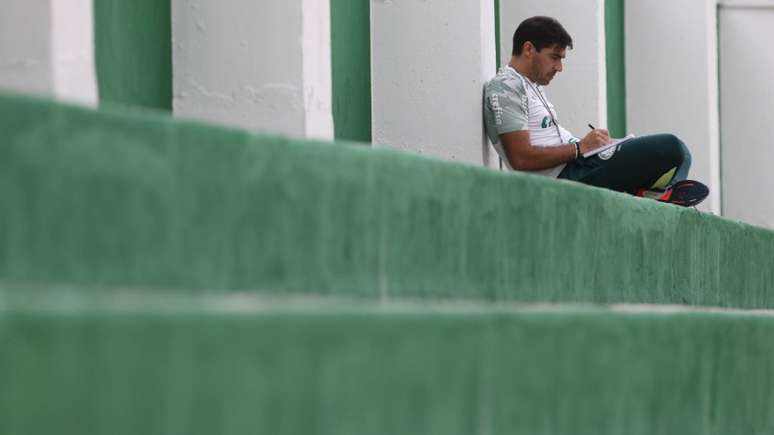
505 82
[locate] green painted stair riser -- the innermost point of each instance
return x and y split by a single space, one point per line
359 370
139 200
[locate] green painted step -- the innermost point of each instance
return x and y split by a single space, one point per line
72 363
113 198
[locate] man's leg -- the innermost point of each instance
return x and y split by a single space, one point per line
649 161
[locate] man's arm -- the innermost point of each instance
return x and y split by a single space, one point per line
523 156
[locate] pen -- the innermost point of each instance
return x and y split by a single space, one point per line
592 127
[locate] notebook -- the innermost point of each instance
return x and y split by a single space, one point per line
615 143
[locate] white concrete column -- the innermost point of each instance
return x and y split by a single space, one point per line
47 48
746 109
258 65
579 93
430 61
672 81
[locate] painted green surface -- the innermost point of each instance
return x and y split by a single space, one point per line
616 67
134 52
233 366
498 49
141 200
351 63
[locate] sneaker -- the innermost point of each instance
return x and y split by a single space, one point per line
686 193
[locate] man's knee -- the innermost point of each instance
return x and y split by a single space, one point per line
673 150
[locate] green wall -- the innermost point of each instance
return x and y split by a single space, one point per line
133 52
616 67
498 50
351 63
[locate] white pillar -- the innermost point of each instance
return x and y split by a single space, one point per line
430 61
747 107
253 64
672 82
579 93
47 48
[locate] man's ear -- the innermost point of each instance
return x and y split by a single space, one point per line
528 49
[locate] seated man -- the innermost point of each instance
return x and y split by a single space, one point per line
524 128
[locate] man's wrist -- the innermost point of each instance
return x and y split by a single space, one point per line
577 146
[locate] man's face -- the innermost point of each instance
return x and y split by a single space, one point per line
546 63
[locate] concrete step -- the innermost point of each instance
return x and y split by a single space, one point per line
120 198
122 362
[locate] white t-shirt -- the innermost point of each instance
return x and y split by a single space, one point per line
513 103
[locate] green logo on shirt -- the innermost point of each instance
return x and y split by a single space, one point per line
547 122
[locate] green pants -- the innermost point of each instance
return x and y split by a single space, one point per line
658 160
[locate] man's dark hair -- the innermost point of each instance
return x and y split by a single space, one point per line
542 32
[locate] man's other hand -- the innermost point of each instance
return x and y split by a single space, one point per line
595 139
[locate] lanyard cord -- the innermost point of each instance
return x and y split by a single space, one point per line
543 101
548 109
